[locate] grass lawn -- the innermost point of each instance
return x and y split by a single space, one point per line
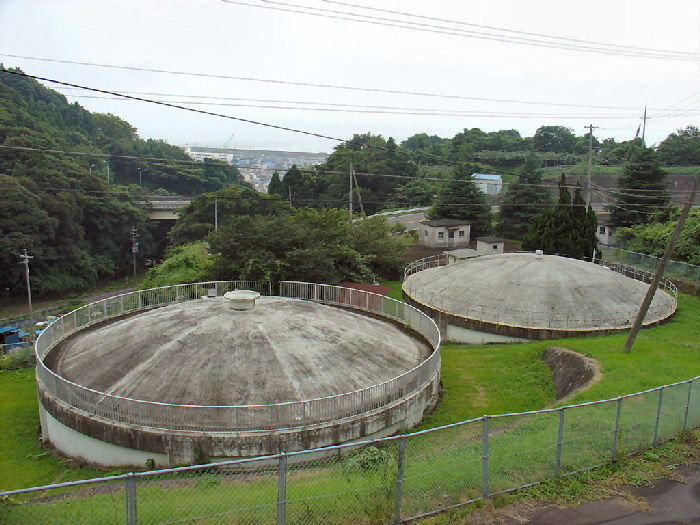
477 380
23 462
395 292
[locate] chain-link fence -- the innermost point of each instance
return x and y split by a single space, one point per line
679 270
387 480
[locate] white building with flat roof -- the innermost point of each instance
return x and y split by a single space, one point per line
489 184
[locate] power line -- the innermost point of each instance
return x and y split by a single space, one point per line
230 117
352 108
105 155
202 98
317 171
312 84
431 28
512 31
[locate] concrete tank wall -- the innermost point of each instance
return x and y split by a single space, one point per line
110 444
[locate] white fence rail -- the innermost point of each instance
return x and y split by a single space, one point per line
235 417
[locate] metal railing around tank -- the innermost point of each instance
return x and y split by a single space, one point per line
236 417
540 319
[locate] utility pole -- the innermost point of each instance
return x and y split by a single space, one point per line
644 126
216 212
359 196
352 175
139 178
660 270
25 261
289 190
107 164
134 246
590 127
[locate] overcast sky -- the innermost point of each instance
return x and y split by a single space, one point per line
212 37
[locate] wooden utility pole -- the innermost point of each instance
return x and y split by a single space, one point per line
644 126
134 246
25 261
216 212
359 196
352 176
660 270
589 186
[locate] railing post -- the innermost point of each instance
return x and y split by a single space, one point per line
617 426
687 404
399 480
485 457
658 415
131 499
557 461
282 490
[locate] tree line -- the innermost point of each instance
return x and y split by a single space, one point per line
59 206
78 227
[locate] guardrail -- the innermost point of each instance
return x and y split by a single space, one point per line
540 319
388 480
219 418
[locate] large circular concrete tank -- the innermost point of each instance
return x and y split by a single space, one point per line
285 375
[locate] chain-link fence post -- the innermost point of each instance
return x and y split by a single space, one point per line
131 499
687 404
485 457
399 479
658 416
617 427
282 490
560 435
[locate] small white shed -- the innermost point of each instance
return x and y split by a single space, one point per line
444 233
489 245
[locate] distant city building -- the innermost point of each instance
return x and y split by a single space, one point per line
200 153
488 183
444 233
257 159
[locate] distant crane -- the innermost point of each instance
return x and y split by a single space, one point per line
229 141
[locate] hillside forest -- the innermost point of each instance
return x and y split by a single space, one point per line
75 189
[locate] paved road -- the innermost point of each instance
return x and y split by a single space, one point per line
410 220
670 502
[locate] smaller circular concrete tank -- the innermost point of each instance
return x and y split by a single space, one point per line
532 296
233 376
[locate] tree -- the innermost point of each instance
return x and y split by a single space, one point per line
641 189
384 158
523 200
311 245
568 229
275 185
652 238
189 263
197 218
460 198
557 139
681 147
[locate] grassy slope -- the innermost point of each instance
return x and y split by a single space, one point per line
24 463
477 380
480 380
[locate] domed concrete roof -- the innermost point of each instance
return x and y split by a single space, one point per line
204 353
533 291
